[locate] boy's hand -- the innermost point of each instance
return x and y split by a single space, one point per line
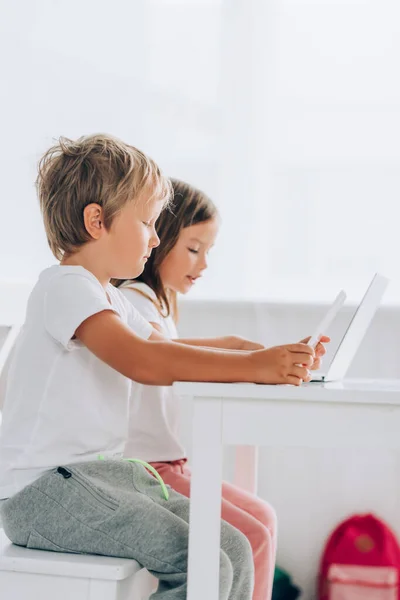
319 351
283 364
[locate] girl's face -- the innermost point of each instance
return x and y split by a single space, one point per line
188 258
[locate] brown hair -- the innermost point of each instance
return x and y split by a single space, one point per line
96 169
188 207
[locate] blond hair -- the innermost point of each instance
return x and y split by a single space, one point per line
96 169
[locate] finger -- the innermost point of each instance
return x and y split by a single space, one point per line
300 348
316 364
299 358
324 339
293 380
320 350
300 372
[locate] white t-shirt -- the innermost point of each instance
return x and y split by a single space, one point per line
154 415
63 405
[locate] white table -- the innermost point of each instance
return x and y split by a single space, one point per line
349 414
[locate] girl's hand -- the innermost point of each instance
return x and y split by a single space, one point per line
282 364
239 343
319 350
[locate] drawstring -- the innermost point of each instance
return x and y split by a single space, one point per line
150 468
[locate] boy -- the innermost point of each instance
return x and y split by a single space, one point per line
69 380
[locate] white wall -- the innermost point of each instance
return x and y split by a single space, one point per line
118 67
286 112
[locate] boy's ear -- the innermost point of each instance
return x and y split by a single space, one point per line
93 219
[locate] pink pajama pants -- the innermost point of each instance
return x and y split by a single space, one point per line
252 516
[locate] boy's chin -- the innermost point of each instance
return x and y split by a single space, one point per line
131 274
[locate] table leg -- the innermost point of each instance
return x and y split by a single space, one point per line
205 501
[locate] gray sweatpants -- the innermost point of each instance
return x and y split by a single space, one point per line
116 508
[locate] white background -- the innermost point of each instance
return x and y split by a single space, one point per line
286 112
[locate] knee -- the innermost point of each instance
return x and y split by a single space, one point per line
14 519
241 556
260 538
266 514
242 552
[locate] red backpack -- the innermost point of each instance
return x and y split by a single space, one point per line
361 561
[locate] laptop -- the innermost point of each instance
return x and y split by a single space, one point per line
355 331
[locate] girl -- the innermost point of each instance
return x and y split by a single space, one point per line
187 233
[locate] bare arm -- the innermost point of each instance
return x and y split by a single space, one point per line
158 335
161 362
234 343
228 342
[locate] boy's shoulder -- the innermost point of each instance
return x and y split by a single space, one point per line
68 285
65 296
64 276
62 288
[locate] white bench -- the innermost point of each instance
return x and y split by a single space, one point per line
41 575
